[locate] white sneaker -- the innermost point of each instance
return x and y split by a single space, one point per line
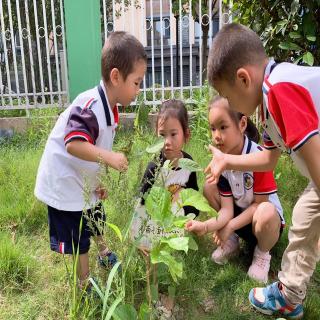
260 265
231 247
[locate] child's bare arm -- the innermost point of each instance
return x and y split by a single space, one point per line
246 216
89 152
222 235
225 214
265 160
310 152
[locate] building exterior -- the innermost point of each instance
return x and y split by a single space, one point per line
155 24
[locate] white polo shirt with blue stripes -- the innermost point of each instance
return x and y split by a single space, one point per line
65 182
244 185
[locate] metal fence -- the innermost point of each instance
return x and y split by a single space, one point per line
176 34
33 68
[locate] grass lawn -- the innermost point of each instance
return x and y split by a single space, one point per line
35 283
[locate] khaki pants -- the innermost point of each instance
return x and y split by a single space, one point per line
300 257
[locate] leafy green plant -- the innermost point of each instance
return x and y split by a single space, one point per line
159 207
289 29
112 294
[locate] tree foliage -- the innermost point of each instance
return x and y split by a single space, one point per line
289 29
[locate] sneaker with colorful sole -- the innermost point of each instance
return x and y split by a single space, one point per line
269 300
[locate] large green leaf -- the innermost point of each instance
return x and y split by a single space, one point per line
168 222
189 164
180 243
182 220
144 311
125 312
289 46
192 244
175 266
191 197
308 58
158 204
294 35
311 38
156 147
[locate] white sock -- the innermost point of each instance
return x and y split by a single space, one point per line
261 253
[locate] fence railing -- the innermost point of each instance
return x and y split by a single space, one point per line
33 68
176 34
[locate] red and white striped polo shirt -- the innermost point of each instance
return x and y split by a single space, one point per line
290 109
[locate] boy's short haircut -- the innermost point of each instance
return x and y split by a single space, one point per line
233 47
121 50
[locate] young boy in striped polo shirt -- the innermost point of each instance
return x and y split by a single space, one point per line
288 97
79 144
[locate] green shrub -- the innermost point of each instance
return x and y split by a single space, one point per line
289 29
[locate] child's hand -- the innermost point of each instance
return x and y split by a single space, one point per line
198 227
118 161
216 166
222 235
101 193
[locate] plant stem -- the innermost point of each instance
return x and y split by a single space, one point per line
148 269
155 276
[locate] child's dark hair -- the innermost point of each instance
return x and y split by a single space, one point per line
251 130
174 109
233 47
121 50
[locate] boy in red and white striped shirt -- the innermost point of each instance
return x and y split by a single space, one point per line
289 100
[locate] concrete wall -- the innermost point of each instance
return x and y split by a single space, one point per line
8 126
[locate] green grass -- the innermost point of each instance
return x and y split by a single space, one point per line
35 284
52 110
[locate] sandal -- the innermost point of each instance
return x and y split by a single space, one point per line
107 261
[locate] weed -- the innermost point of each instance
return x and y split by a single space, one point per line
36 286
15 265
